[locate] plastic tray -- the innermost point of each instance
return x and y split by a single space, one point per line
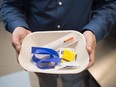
46 39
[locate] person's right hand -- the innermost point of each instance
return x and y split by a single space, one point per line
17 37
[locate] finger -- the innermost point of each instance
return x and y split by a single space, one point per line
91 59
16 44
91 51
17 57
23 36
89 47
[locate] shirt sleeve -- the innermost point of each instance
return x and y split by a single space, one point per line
13 14
103 17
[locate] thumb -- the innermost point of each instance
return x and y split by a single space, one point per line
90 45
17 37
89 42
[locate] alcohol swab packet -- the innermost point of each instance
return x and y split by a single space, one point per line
68 60
69 65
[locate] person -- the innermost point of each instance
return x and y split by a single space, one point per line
93 18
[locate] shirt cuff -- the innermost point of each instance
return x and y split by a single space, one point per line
96 29
17 23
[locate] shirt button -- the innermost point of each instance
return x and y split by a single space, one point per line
58 26
60 3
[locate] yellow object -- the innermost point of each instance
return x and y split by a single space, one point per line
68 56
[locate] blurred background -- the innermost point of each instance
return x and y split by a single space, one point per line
12 75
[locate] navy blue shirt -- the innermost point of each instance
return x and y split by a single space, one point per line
38 15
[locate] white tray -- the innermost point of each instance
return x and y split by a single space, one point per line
43 39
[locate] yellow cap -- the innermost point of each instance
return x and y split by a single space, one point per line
68 55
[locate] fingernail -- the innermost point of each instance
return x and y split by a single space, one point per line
18 48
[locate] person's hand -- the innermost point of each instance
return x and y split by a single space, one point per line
90 45
17 37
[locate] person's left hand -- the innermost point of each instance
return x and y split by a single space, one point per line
90 45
